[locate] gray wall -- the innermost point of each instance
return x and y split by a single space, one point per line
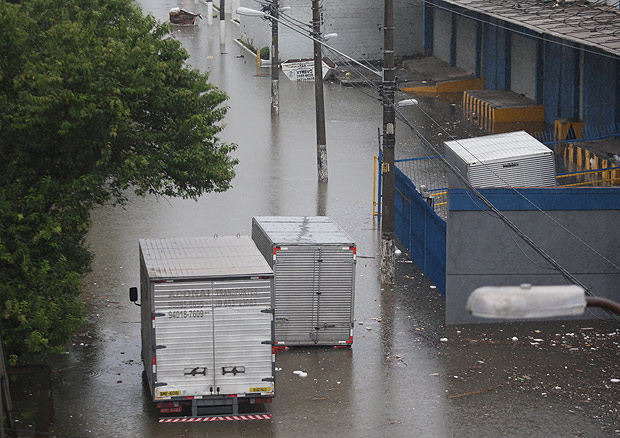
358 23
483 251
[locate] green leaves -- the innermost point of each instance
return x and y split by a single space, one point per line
95 98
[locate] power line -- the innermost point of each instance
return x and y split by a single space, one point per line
565 273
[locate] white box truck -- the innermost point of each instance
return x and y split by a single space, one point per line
207 327
313 260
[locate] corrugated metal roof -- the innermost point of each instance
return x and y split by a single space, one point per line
498 147
203 257
303 230
591 24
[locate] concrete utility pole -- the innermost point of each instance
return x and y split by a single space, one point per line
321 146
222 23
275 93
209 12
389 126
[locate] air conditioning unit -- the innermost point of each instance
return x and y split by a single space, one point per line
514 159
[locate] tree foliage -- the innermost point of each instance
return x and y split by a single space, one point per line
95 100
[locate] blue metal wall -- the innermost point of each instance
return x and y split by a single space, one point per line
420 229
561 81
496 56
427 23
601 103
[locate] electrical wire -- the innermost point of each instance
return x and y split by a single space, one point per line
565 273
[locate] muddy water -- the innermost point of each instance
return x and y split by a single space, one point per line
399 378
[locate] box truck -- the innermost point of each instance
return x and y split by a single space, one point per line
207 327
313 260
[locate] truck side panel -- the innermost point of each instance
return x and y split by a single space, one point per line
146 320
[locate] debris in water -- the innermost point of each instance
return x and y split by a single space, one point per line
468 393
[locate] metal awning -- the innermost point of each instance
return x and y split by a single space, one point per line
591 24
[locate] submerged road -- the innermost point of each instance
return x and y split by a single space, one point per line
406 375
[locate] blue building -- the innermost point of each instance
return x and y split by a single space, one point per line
562 55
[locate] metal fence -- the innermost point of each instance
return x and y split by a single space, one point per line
421 230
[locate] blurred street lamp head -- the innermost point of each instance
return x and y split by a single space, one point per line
526 301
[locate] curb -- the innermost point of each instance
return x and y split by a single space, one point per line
263 63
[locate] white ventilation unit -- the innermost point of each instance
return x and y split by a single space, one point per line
514 159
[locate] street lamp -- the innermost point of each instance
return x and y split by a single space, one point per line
406 102
241 10
527 302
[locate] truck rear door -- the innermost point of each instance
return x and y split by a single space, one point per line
242 336
213 337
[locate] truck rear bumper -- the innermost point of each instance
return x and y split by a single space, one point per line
243 417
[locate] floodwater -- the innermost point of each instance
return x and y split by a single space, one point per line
405 375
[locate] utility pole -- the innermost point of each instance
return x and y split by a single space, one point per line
275 93
222 23
389 122
321 146
209 12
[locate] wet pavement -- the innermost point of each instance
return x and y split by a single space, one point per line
406 374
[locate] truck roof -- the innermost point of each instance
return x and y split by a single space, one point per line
199 257
303 230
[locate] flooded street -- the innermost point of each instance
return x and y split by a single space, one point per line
406 374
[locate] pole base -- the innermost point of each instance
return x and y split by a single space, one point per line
387 261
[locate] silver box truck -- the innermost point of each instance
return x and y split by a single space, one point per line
207 327
313 260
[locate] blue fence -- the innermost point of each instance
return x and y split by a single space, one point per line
421 230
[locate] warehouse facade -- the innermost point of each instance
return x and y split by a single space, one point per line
565 56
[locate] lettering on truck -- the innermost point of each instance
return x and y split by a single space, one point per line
183 306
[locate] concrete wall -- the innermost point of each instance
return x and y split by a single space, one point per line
358 23
483 251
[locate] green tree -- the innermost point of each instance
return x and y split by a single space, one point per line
95 99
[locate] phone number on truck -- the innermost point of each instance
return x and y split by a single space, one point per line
186 314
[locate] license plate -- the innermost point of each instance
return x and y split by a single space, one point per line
261 389
169 393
